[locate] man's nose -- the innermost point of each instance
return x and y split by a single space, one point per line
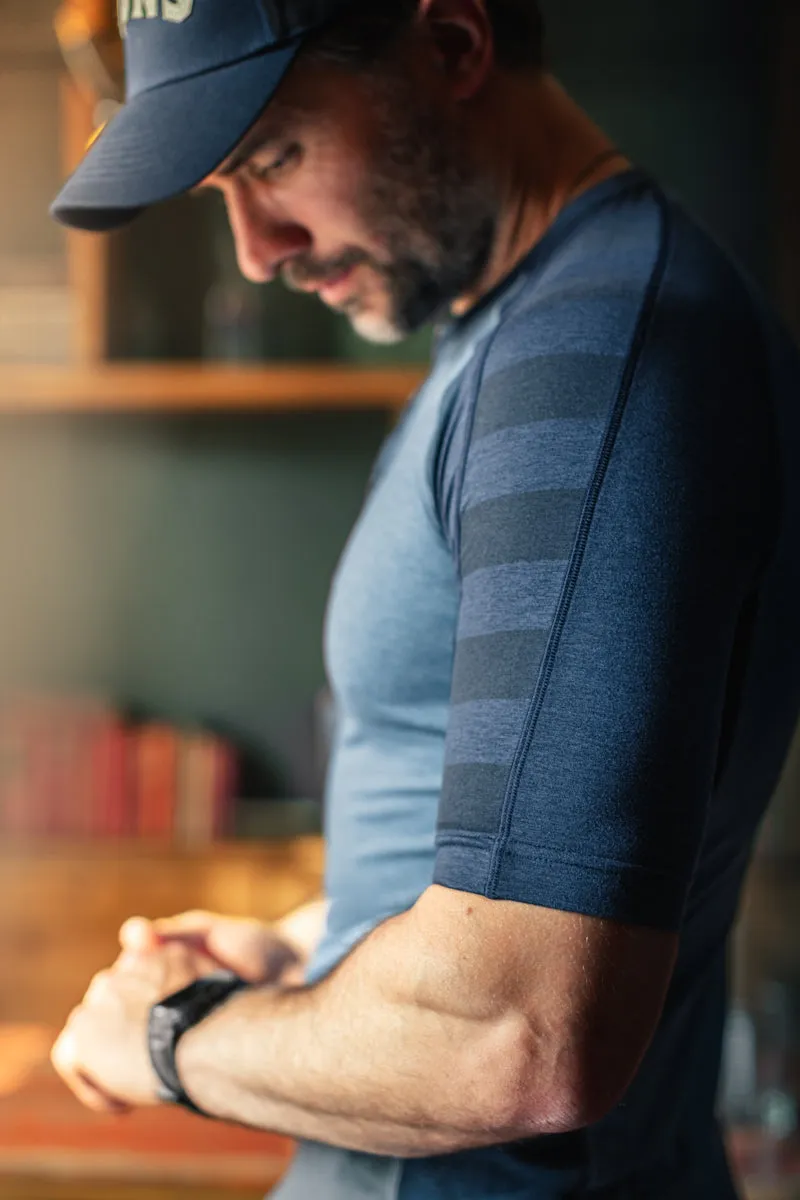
263 244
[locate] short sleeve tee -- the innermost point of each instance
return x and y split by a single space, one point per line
563 651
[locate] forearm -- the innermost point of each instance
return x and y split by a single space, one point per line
230 1077
372 1059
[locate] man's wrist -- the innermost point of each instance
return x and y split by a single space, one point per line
173 1018
204 1058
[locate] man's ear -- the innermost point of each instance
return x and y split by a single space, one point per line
462 36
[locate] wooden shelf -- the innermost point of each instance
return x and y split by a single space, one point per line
204 387
304 852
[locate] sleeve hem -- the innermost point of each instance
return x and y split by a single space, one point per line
551 879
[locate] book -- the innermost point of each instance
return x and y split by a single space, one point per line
155 780
206 789
111 779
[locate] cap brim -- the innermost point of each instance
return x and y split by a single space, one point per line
166 140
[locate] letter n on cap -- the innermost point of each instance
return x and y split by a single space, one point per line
177 10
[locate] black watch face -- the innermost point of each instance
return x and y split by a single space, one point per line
173 1017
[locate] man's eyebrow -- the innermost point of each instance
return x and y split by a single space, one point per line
259 138
262 135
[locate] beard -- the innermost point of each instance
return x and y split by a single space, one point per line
429 208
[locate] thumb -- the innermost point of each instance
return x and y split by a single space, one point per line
139 936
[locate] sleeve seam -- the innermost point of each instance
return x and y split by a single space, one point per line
480 370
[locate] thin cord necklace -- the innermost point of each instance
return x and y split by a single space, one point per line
596 163
588 171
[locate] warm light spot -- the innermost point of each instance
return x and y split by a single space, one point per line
23 1048
96 135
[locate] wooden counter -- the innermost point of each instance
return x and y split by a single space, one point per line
63 906
61 912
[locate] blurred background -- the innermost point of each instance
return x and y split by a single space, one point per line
182 456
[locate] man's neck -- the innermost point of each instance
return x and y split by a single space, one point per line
541 159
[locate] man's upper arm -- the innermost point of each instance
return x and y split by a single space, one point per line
608 527
610 534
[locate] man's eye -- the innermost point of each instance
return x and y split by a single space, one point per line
277 165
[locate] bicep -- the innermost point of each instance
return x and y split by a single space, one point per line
606 566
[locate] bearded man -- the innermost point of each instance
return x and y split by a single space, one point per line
562 639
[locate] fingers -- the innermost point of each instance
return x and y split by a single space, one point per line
140 940
247 947
98 988
139 936
195 923
142 936
233 943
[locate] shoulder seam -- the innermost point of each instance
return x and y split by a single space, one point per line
473 409
582 536
480 369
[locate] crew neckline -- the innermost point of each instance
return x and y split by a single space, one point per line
572 215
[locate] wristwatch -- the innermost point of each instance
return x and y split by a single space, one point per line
174 1017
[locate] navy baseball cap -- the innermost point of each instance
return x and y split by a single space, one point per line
199 73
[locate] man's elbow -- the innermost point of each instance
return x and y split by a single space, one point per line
550 1091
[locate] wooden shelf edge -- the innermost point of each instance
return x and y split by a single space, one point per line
307 847
204 387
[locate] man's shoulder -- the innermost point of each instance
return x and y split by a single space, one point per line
641 278
639 296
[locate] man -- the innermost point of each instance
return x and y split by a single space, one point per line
562 638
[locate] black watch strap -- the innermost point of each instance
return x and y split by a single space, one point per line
174 1017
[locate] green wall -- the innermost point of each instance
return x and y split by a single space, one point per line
182 565
687 89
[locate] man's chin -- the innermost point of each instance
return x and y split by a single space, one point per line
377 329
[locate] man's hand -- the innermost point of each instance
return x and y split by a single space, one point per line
103 1054
255 952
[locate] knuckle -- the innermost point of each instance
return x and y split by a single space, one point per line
62 1055
131 925
99 987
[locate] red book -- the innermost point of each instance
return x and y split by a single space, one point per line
32 787
14 772
54 782
225 783
79 764
62 776
111 788
43 782
156 780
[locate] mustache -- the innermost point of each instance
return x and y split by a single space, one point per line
306 271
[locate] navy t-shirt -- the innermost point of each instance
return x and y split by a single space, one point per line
563 647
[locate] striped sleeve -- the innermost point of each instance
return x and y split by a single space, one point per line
601 536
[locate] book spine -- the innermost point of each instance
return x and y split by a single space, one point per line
112 780
156 775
